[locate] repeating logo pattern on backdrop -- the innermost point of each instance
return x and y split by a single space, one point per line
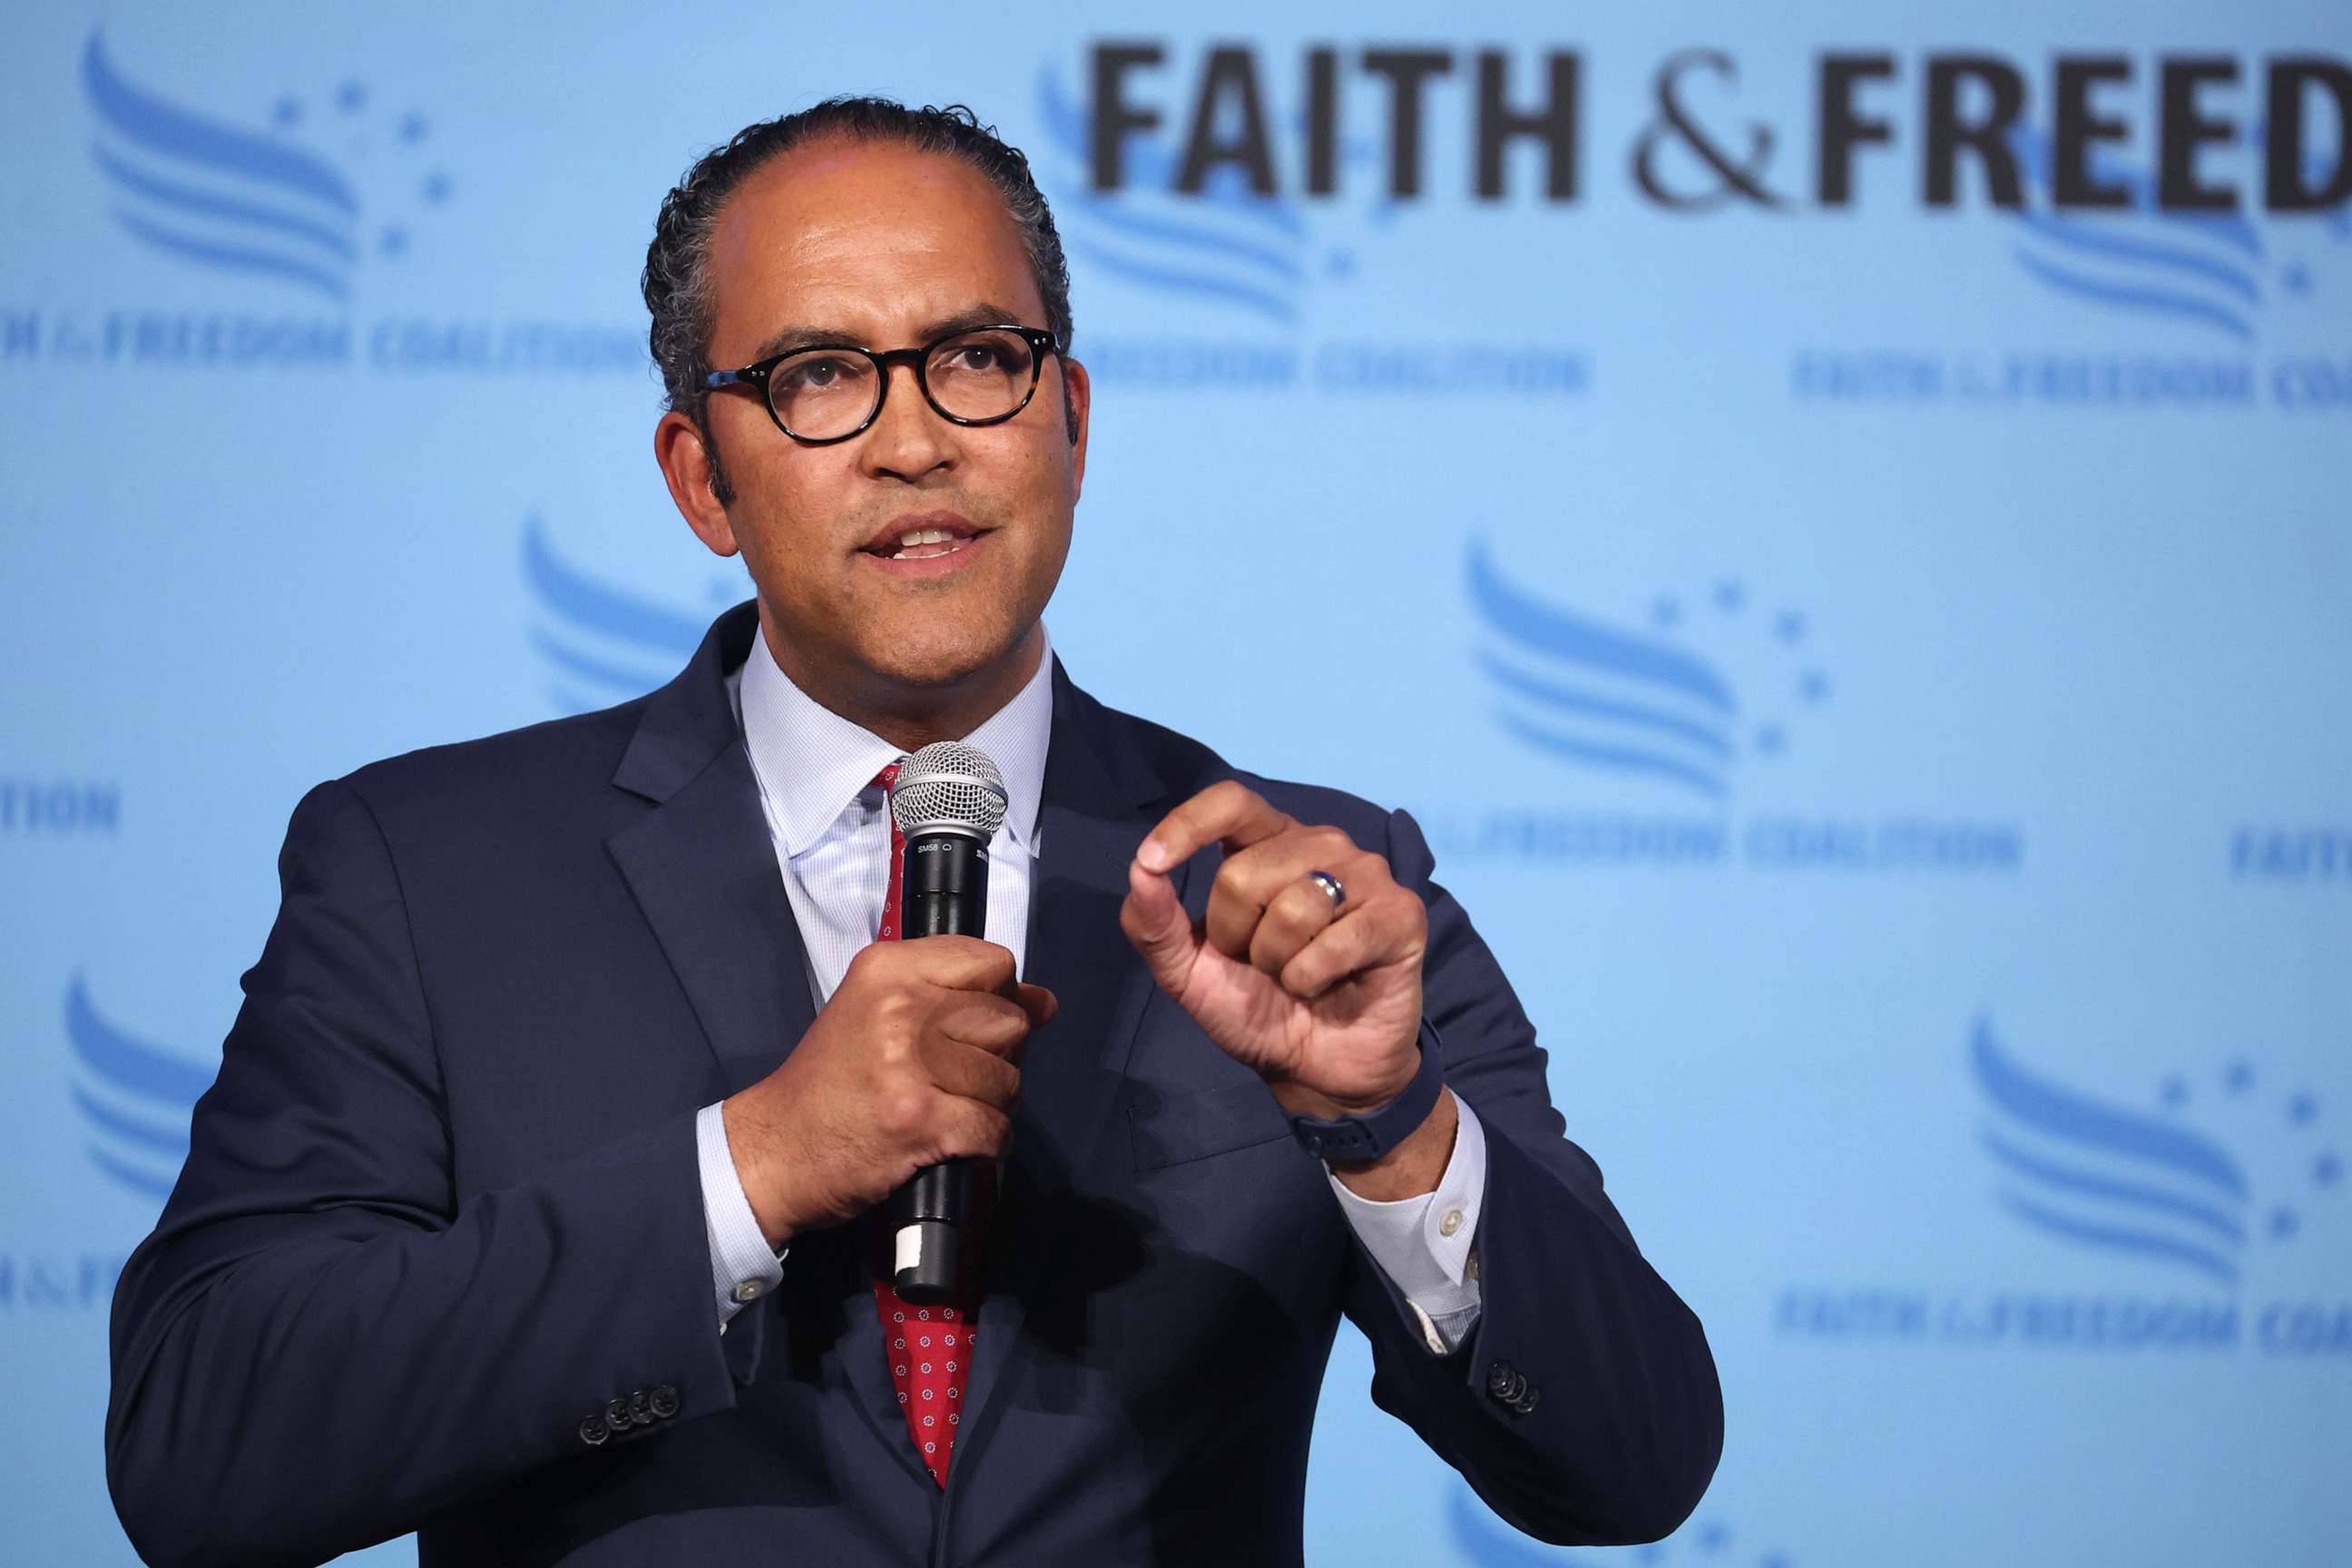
2216 271
1632 702
134 1097
220 197
2219 306
599 645
59 808
280 217
2146 1183
1246 273
1194 195
2194 1207
132 1101
1657 715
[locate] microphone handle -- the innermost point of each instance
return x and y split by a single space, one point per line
943 892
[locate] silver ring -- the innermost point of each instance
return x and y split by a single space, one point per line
1331 885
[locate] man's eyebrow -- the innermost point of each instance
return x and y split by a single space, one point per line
806 335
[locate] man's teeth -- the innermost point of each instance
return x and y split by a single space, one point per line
922 544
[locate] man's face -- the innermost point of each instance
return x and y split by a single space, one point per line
880 246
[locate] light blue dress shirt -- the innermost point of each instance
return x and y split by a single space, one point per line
831 831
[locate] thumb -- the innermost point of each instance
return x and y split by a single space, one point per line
1155 921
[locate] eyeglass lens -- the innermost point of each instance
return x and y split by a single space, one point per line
823 393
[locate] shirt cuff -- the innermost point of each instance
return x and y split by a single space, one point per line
743 1268
1426 1244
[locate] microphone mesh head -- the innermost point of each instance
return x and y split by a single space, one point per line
949 787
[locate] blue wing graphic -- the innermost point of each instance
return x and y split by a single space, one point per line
2198 267
601 644
134 1097
2104 1176
1596 695
216 195
1227 245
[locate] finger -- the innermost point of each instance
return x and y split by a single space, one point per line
959 962
1154 920
985 1020
1227 813
1252 878
1297 915
1040 1003
1393 928
969 1128
969 1072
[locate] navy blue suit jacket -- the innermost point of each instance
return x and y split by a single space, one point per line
436 1260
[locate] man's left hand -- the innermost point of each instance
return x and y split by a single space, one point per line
1323 1003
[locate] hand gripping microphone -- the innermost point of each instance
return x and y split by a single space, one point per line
948 802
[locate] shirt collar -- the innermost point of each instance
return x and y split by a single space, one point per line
812 762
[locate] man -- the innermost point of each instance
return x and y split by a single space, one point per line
533 1208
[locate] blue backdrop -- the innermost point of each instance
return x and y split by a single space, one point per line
1836 522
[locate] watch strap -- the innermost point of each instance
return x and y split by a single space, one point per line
1368 1135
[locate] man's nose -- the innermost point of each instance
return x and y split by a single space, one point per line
909 437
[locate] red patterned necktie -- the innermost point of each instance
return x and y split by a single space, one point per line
929 1348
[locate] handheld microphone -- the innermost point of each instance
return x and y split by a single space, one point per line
948 802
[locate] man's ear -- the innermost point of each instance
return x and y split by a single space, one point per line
1077 402
691 471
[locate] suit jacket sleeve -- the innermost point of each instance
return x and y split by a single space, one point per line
320 1345
1626 1423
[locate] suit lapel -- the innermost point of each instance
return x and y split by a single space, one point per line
1097 806
701 869
703 874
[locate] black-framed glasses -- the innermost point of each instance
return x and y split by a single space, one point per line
823 393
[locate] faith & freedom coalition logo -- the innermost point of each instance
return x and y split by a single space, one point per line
2292 856
1661 715
132 1101
597 644
2218 305
2191 1205
2206 263
249 237
2211 268
59 808
135 1098
1184 218
2196 205
249 203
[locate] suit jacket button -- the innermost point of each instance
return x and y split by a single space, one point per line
1504 1381
665 1401
617 1414
593 1430
641 1413
1526 1403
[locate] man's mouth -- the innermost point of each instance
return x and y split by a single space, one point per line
923 537
925 542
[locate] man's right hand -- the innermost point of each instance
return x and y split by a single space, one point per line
911 1063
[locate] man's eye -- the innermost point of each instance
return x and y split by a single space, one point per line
976 356
817 375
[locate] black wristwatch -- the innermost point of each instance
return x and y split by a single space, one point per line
1375 1132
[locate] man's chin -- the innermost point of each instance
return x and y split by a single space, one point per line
933 664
